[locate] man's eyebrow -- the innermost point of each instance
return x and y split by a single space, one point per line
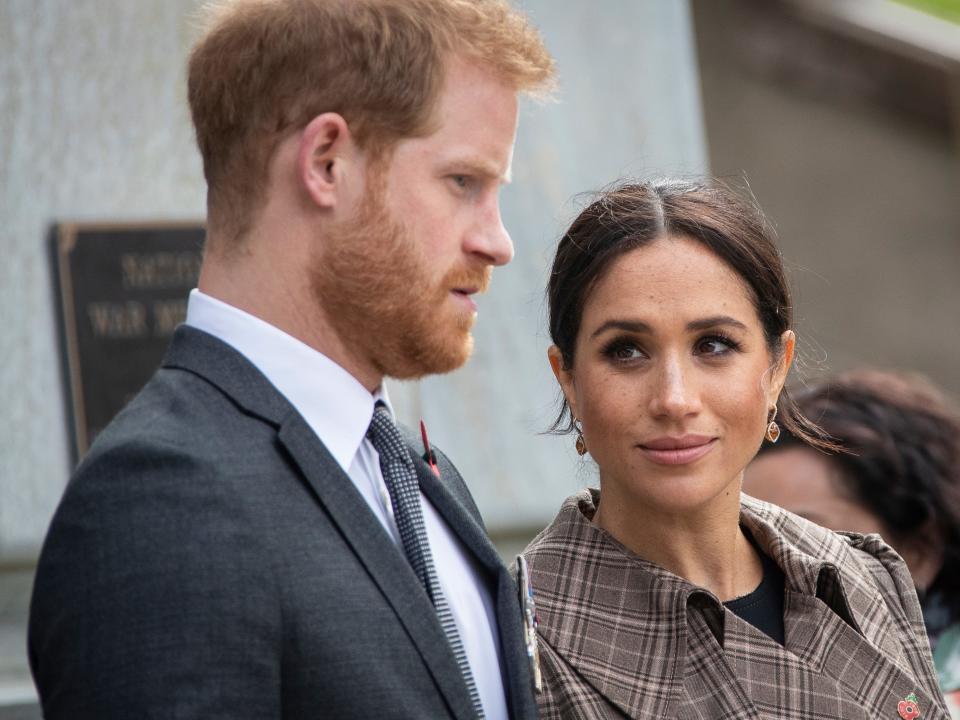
638 326
475 165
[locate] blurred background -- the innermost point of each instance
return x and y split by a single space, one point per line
841 116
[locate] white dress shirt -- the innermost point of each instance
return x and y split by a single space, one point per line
339 409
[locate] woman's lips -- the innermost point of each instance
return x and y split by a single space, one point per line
677 451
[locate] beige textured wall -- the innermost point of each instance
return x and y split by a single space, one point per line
92 126
628 104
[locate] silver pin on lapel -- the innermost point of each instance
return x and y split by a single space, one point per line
529 621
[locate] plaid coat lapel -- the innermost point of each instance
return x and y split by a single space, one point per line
618 625
817 563
629 637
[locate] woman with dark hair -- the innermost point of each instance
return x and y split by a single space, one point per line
899 476
666 593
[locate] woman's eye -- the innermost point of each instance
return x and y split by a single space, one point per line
624 352
715 346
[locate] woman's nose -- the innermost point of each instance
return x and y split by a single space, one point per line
675 395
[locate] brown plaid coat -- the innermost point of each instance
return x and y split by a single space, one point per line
621 637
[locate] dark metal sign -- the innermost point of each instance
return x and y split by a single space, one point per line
122 292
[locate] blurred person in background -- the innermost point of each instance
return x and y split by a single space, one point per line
667 593
899 477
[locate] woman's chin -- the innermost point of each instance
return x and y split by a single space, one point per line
680 494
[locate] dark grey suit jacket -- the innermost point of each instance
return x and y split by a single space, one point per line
210 559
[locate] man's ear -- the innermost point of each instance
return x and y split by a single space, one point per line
325 157
564 377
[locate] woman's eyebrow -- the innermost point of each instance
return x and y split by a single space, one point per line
629 325
715 321
638 326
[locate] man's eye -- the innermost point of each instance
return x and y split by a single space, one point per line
461 181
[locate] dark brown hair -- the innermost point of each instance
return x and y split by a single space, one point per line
902 459
634 214
265 68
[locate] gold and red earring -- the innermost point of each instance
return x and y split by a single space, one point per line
773 430
581 444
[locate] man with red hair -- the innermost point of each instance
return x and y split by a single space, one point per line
253 536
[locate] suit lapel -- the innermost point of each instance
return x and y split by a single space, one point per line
515 668
204 355
381 558
456 516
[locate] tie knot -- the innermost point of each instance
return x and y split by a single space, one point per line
384 435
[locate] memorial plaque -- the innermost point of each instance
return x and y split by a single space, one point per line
123 290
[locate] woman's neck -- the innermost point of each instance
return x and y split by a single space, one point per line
705 546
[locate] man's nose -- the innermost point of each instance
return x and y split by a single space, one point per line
489 238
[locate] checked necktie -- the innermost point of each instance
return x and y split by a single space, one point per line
401 479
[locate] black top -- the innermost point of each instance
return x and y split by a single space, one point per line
763 608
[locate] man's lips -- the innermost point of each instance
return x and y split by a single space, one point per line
677 450
464 294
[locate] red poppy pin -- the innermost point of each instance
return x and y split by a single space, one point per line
428 454
908 707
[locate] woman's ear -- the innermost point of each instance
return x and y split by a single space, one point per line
781 368
564 377
325 152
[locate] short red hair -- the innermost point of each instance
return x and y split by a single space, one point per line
265 68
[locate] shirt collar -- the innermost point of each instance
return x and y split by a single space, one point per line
333 402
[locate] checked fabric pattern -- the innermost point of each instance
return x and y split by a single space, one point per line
401 479
622 637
